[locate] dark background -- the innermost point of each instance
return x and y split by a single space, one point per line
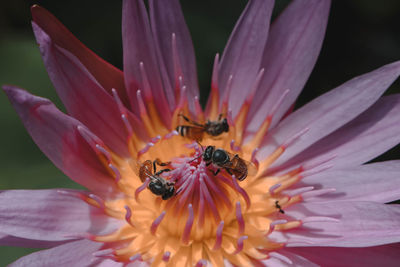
362 35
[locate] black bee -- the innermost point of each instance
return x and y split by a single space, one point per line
196 130
158 185
279 207
233 164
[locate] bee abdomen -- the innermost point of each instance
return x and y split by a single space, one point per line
182 130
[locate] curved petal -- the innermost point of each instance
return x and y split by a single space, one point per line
78 253
354 224
290 54
330 111
82 96
58 137
288 259
378 182
386 255
243 52
106 74
167 18
13 241
370 134
49 215
138 46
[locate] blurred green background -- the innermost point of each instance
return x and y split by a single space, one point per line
361 36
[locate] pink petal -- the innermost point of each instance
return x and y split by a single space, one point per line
138 46
359 224
330 111
77 253
386 255
106 74
378 182
242 54
370 134
49 215
295 260
57 136
82 96
138 264
13 241
166 19
290 54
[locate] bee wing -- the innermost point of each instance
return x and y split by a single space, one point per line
238 162
197 129
135 165
190 121
145 169
251 168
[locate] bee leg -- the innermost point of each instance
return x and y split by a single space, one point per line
190 121
160 163
161 171
208 163
178 191
184 117
228 171
219 116
216 172
154 166
279 207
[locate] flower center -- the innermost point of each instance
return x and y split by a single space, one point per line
199 210
208 218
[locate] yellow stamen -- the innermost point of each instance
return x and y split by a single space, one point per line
262 131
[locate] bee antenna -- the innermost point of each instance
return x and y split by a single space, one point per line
196 158
223 115
202 148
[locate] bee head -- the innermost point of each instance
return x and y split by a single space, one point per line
168 193
208 153
156 187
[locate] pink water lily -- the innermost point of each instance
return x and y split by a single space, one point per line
309 199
